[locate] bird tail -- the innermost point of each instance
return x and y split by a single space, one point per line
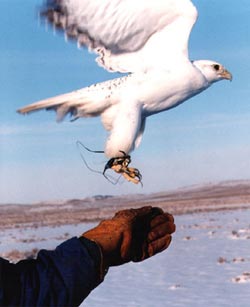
80 103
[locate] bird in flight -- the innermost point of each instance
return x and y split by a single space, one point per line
147 40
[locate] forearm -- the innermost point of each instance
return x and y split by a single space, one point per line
63 277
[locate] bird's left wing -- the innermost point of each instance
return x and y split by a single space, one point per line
128 35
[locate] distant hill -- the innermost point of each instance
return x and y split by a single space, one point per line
228 195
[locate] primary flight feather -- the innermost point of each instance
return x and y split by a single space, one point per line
148 40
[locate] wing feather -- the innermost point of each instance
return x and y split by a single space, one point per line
119 30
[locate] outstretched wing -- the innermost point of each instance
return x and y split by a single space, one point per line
128 35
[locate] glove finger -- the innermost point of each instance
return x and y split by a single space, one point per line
148 212
159 245
145 216
144 211
132 213
163 218
161 230
126 249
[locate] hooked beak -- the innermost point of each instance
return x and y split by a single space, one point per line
226 75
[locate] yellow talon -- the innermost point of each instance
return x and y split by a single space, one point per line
120 166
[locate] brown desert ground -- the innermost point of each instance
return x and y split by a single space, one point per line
230 195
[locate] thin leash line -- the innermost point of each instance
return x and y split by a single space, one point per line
109 178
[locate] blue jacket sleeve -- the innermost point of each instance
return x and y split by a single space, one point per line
62 277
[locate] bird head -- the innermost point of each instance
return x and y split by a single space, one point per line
213 71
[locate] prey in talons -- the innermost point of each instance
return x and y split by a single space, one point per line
120 166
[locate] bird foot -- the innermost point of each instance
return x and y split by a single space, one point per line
120 166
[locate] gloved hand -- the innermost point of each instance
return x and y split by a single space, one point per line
133 235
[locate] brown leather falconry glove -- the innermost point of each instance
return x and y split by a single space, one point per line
132 235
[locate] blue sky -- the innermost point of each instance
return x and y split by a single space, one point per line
206 139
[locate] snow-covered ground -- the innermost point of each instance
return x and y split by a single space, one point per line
207 264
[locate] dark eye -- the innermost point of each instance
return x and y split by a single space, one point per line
216 67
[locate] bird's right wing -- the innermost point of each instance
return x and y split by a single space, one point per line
119 31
